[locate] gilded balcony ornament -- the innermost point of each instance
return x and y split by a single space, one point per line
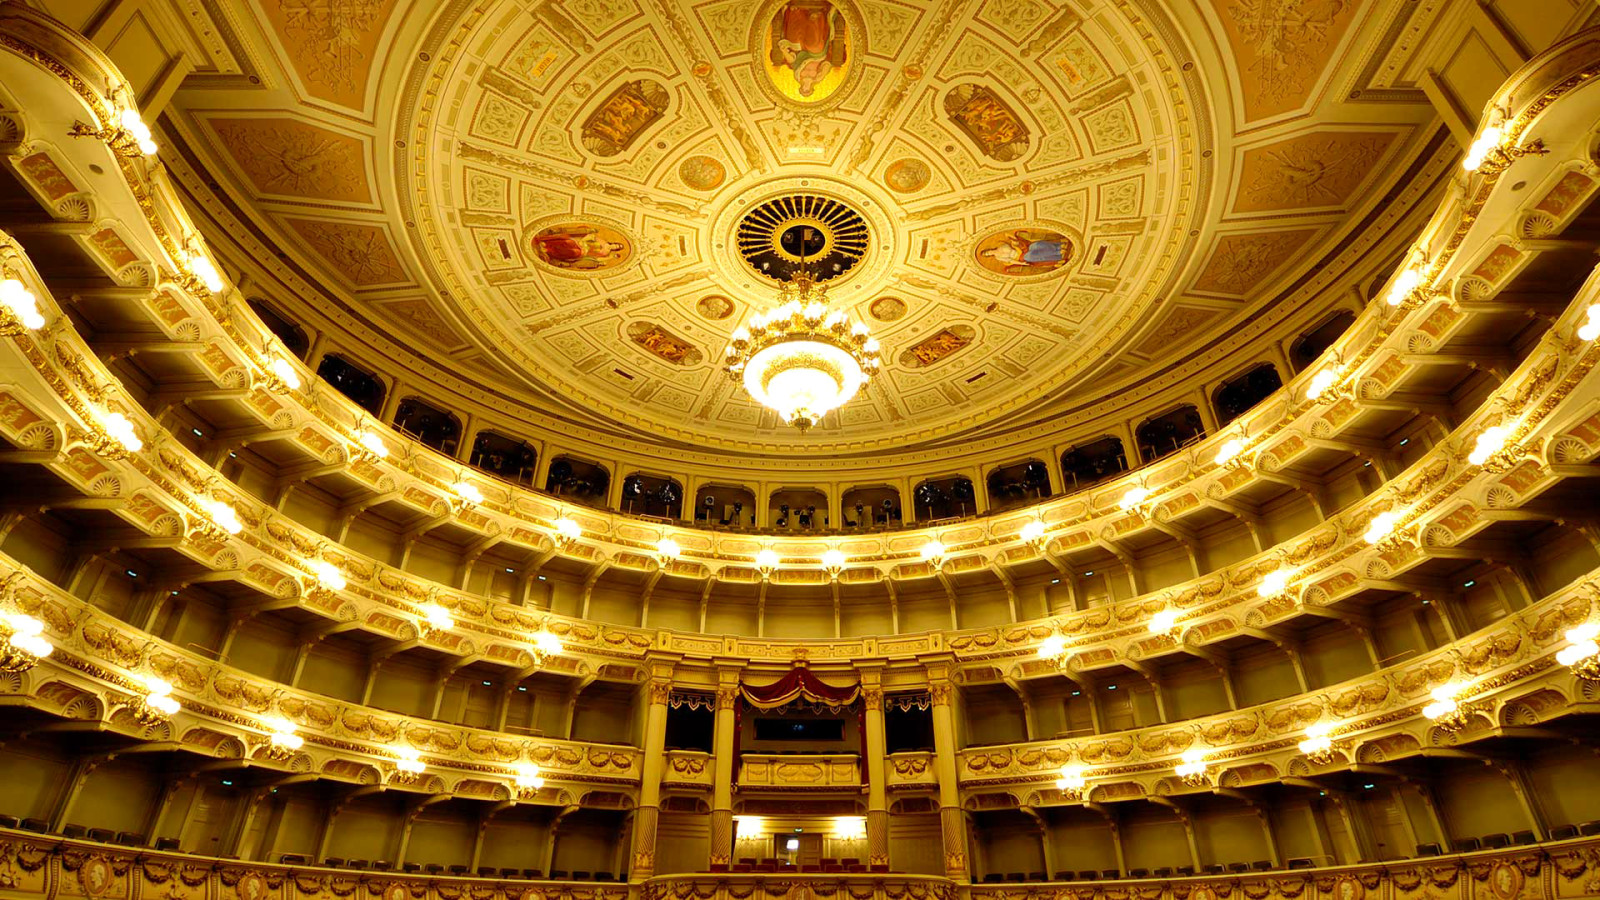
22 642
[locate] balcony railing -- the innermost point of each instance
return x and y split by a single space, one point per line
799 771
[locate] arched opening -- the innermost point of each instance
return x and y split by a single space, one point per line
725 506
1316 341
944 498
1169 432
874 506
1018 485
1085 464
430 425
362 387
292 336
797 509
507 457
648 495
578 480
1234 397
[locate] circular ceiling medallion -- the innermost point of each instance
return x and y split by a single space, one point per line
715 307
580 247
887 309
907 176
702 173
823 234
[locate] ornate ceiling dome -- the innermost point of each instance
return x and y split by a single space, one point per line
574 205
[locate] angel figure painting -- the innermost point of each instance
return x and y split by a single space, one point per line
808 50
580 247
1024 251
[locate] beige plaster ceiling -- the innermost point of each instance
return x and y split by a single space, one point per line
547 193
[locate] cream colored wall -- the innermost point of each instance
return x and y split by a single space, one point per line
683 842
915 844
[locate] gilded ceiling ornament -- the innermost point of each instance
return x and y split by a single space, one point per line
1314 170
702 173
329 40
663 344
907 176
938 346
1243 261
988 121
715 307
288 157
361 253
887 309
622 116
1289 41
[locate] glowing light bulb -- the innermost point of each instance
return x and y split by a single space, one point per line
1480 149
547 644
668 548
1590 329
1072 779
222 514
1320 383
1409 281
932 550
527 777
1490 442
833 559
205 270
568 529
1582 644
767 558
1229 451
1052 647
469 492
1382 525
1193 763
438 617
1033 531
121 430
1275 583
285 372
409 761
327 574
1317 739
1133 498
374 444
1163 621
15 297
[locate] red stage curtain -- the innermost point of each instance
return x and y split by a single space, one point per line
798 684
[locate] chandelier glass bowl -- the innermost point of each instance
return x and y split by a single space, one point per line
802 359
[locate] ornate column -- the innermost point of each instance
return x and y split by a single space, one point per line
877 769
952 821
722 769
657 690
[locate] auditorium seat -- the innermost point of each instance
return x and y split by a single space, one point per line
1495 841
1464 845
1163 872
1523 837
1558 833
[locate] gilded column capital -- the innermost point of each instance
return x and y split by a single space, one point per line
727 697
660 691
940 691
872 697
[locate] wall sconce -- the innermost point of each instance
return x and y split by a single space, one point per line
667 550
1490 154
767 562
933 553
565 532
1402 294
467 492
157 703
527 779
833 562
1164 622
1192 768
1446 710
1054 649
286 378
223 518
1318 745
1034 533
408 764
543 646
20 309
1382 528
1493 449
1072 782
117 438
22 642
282 742
1590 329
1582 654
372 447
129 136
436 618
1135 501
1273 584
328 575
1231 454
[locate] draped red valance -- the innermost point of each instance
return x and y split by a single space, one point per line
798 684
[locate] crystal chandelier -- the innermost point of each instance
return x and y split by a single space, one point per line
802 359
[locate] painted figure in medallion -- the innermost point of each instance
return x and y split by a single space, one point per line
1024 251
581 247
808 50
